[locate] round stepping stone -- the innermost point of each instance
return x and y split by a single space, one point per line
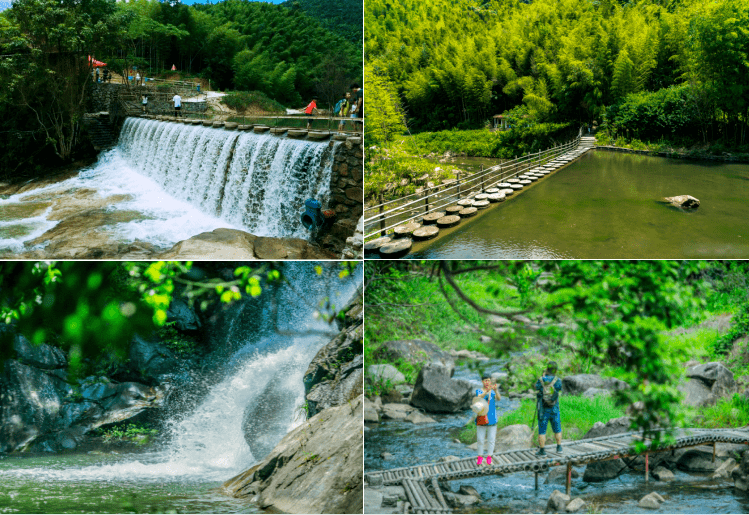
530 178
525 183
513 181
405 229
504 185
469 211
492 190
432 218
426 232
481 196
517 187
374 245
454 210
466 202
507 191
397 248
481 204
496 197
448 221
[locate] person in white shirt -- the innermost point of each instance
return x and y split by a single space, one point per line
177 104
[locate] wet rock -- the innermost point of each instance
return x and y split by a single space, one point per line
183 316
151 360
559 475
575 505
370 413
385 455
458 500
29 405
725 469
372 498
557 502
385 373
416 417
650 502
39 356
469 490
685 201
513 437
436 392
740 474
293 482
603 470
698 460
662 474
335 375
416 352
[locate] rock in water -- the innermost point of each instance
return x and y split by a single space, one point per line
316 468
436 392
557 502
685 201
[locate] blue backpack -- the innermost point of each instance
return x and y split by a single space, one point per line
337 108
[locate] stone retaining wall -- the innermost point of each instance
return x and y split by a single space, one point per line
347 191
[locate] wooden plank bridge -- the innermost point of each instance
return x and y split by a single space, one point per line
416 479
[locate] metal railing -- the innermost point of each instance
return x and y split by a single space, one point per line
379 218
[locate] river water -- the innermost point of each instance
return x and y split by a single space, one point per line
255 400
607 206
412 444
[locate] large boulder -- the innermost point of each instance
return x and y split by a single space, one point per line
557 502
182 315
435 391
316 468
417 352
510 438
335 375
605 470
41 356
578 384
699 459
740 474
151 361
684 201
385 373
29 405
707 383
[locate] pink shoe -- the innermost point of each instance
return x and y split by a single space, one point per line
479 460
488 460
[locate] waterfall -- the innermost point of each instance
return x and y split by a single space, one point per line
258 396
255 181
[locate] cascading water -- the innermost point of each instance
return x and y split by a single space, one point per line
245 413
166 182
255 181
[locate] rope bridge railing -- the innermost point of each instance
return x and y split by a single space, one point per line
386 215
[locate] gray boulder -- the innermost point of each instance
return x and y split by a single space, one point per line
183 316
513 437
559 475
707 383
385 373
649 502
41 356
416 417
151 360
575 505
417 352
557 502
436 392
580 383
696 393
740 474
683 201
698 460
590 393
614 426
725 469
29 405
663 474
605 470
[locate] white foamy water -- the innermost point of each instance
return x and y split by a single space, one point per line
257 400
184 180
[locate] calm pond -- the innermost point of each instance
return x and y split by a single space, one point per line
608 205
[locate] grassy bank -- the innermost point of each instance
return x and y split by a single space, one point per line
679 148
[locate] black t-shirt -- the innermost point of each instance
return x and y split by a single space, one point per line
360 96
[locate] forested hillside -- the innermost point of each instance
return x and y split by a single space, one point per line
650 69
344 17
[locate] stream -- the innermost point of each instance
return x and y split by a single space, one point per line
411 444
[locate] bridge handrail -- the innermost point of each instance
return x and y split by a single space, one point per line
501 172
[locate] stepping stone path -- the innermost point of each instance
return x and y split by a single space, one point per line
492 190
481 204
397 248
465 202
432 218
426 232
374 245
504 185
525 182
469 211
496 197
507 191
481 196
448 221
517 186
513 181
405 229
454 210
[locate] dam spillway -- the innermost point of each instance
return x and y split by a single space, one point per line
257 182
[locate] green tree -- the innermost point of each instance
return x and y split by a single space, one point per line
385 118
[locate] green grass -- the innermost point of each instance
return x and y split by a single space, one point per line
728 412
578 416
241 101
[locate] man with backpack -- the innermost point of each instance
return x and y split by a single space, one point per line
342 109
548 387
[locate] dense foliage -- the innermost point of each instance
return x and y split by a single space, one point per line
615 318
456 63
276 50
